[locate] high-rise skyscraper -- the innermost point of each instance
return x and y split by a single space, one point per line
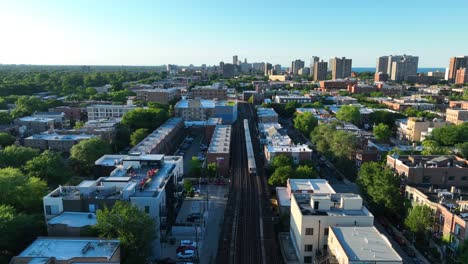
235 60
268 67
382 65
456 63
341 68
313 60
403 66
320 70
296 65
277 69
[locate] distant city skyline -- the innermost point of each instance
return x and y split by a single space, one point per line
147 33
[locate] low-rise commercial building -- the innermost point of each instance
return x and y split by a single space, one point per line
436 170
107 111
267 115
60 250
220 149
360 244
456 116
54 141
164 139
161 96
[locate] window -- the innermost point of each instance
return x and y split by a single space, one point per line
316 205
457 229
48 210
451 178
309 231
325 231
147 209
308 259
308 247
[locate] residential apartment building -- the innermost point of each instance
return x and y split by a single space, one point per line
455 64
284 99
107 111
298 153
209 92
71 113
382 64
341 68
314 214
320 71
336 85
380 77
54 141
296 66
459 104
159 95
357 245
443 171
61 250
411 129
313 60
267 115
403 66
361 88
456 116
146 181
165 139
202 110
220 149
461 76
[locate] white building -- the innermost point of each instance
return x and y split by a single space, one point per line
312 215
107 111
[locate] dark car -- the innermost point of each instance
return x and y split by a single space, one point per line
399 240
410 252
183 248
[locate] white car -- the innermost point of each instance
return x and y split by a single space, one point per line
187 254
188 243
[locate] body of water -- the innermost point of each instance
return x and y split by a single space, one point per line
420 70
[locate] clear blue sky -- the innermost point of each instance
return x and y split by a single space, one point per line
155 32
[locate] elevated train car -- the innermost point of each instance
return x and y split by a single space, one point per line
250 153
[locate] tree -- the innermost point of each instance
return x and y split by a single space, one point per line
22 192
463 149
290 108
349 113
462 253
27 105
5 118
188 187
451 134
251 100
432 147
380 186
382 132
49 166
14 156
195 167
138 136
79 124
135 229
385 117
86 152
6 139
150 118
305 172
305 123
211 169
419 219
281 175
281 161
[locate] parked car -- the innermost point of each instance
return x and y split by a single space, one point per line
399 240
188 243
410 252
184 248
187 254
189 138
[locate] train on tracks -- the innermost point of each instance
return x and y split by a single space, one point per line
250 152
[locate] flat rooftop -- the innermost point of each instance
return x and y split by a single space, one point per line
204 103
310 185
111 106
289 148
36 119
365 244
336 208
68 248
74 219
109 160
282 196
264 112
57 137
152 140
221 139
432 161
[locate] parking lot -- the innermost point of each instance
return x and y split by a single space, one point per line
205 231
191 147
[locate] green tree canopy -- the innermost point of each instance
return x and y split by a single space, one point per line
22 192
5 118
385 117
6 139
14 156
463 149
188 186
135 229
138 136
382 132
281 175
27 105
304 172
86 152
50 167
195 167
211 169
432 147
451 134
305 123
150 118
380 186
281 161
349 113
419 219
